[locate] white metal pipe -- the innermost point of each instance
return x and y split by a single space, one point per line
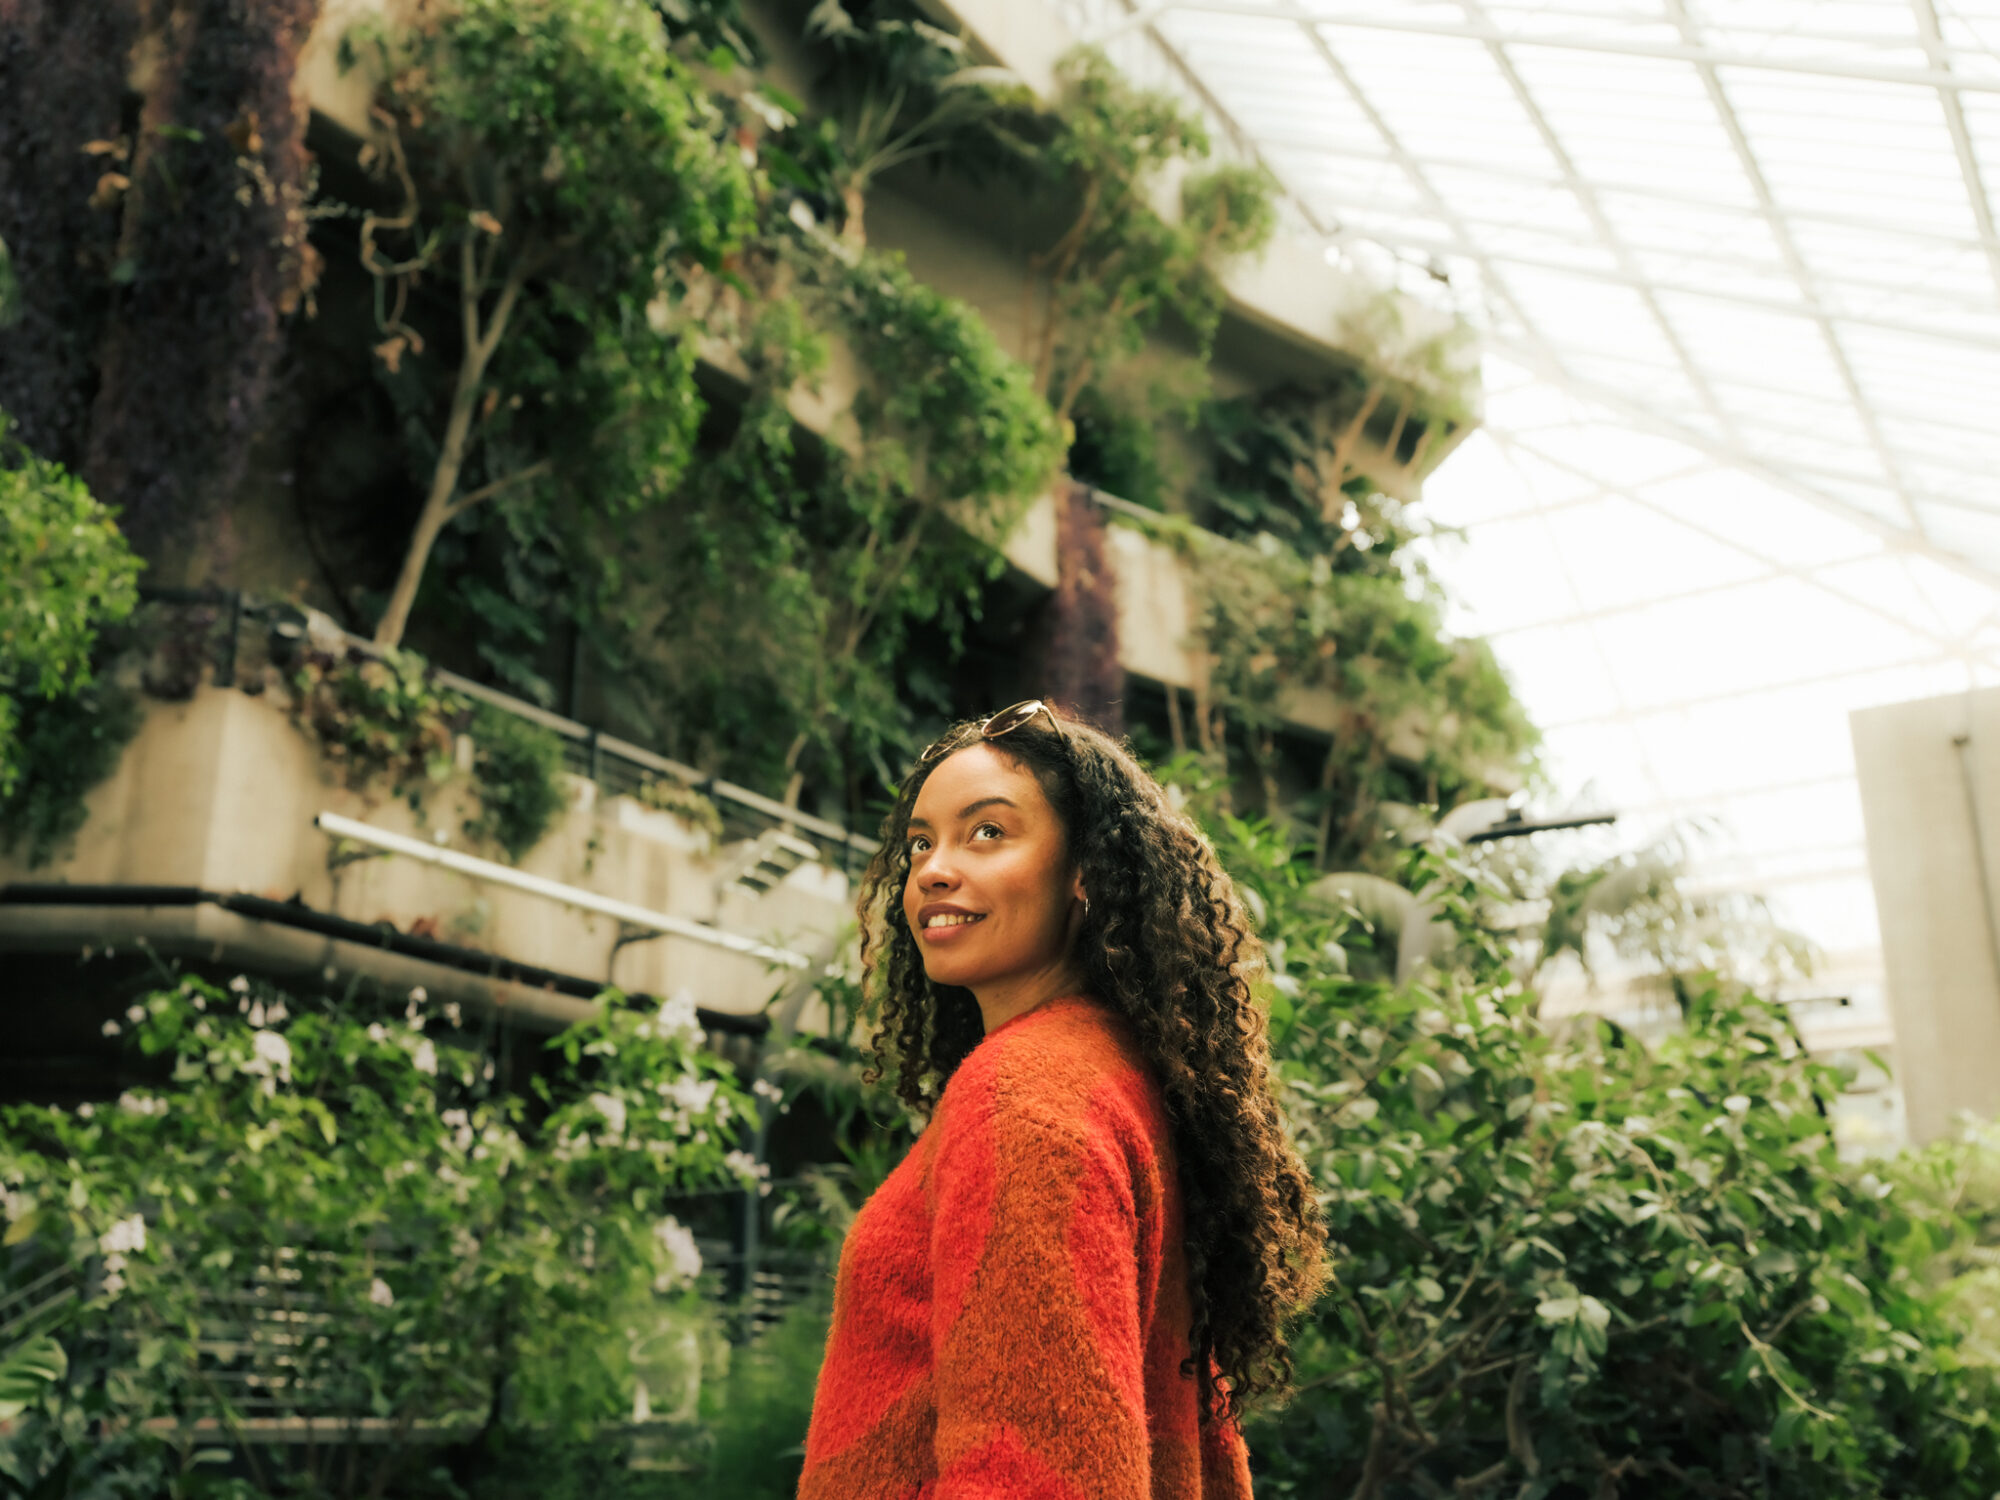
554 890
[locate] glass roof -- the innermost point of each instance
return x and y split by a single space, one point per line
1736 266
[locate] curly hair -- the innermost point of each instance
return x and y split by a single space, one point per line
1166 943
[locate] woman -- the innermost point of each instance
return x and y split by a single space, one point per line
1081 1270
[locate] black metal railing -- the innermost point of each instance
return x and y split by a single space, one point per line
618 766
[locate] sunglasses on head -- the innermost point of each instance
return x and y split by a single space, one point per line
1005 722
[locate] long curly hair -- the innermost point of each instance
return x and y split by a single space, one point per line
1166 943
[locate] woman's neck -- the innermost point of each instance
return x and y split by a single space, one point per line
1004 1000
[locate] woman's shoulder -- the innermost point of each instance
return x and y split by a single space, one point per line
1067 1062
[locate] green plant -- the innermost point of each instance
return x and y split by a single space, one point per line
386 721
1120 265
1568 1263
755 1418
1421 718
383 720
518 766
63 747
69 572
558 174
471 1263
901 91
671 795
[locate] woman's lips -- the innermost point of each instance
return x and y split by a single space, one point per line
949 933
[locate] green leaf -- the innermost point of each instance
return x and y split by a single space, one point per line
26 1373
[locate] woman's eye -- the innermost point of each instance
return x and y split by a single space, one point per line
918 845
992 828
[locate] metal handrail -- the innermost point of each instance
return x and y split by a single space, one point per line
554 890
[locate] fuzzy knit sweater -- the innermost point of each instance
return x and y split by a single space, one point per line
1011 1310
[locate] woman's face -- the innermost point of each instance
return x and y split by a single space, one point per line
991 894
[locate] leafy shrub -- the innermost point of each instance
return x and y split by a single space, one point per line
466 1262
68 572
1570 1264
518 766
385 720
64 746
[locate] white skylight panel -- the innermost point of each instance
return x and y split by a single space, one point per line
1982 124
1596 448
1593 315
1859 32
1620 555
1954 381
1600 766
1743 744
1632 119
1617 23
1880 501
1919 589
1441 95
1837 912
1971 29
1969 534
1843 145
1767 521
1755 638
1557 666
1825 816
1785 351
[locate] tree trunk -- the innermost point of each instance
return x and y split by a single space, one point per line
436 511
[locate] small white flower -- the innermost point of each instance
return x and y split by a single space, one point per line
112 1028
85 1110
240 984
691 1093
763 1088
452 1013
257 1013
113 1284
743 1164
135 1013
376 1033
678 1241
276 1012
418 995
141 1104
380 1295
426 1059
274 1052
126 1237
613 1109
677 1017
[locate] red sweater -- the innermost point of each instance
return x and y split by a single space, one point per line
1011 1311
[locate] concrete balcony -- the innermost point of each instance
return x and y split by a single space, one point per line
206 844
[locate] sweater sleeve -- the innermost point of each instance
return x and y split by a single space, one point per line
1036 1327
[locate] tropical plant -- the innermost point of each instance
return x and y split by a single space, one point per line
1566 1263
555 171
900 90
347 1218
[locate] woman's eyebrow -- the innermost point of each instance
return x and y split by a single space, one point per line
968 810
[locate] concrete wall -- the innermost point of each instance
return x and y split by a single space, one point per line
1930 795
220 792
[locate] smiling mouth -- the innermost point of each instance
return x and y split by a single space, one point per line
952 919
